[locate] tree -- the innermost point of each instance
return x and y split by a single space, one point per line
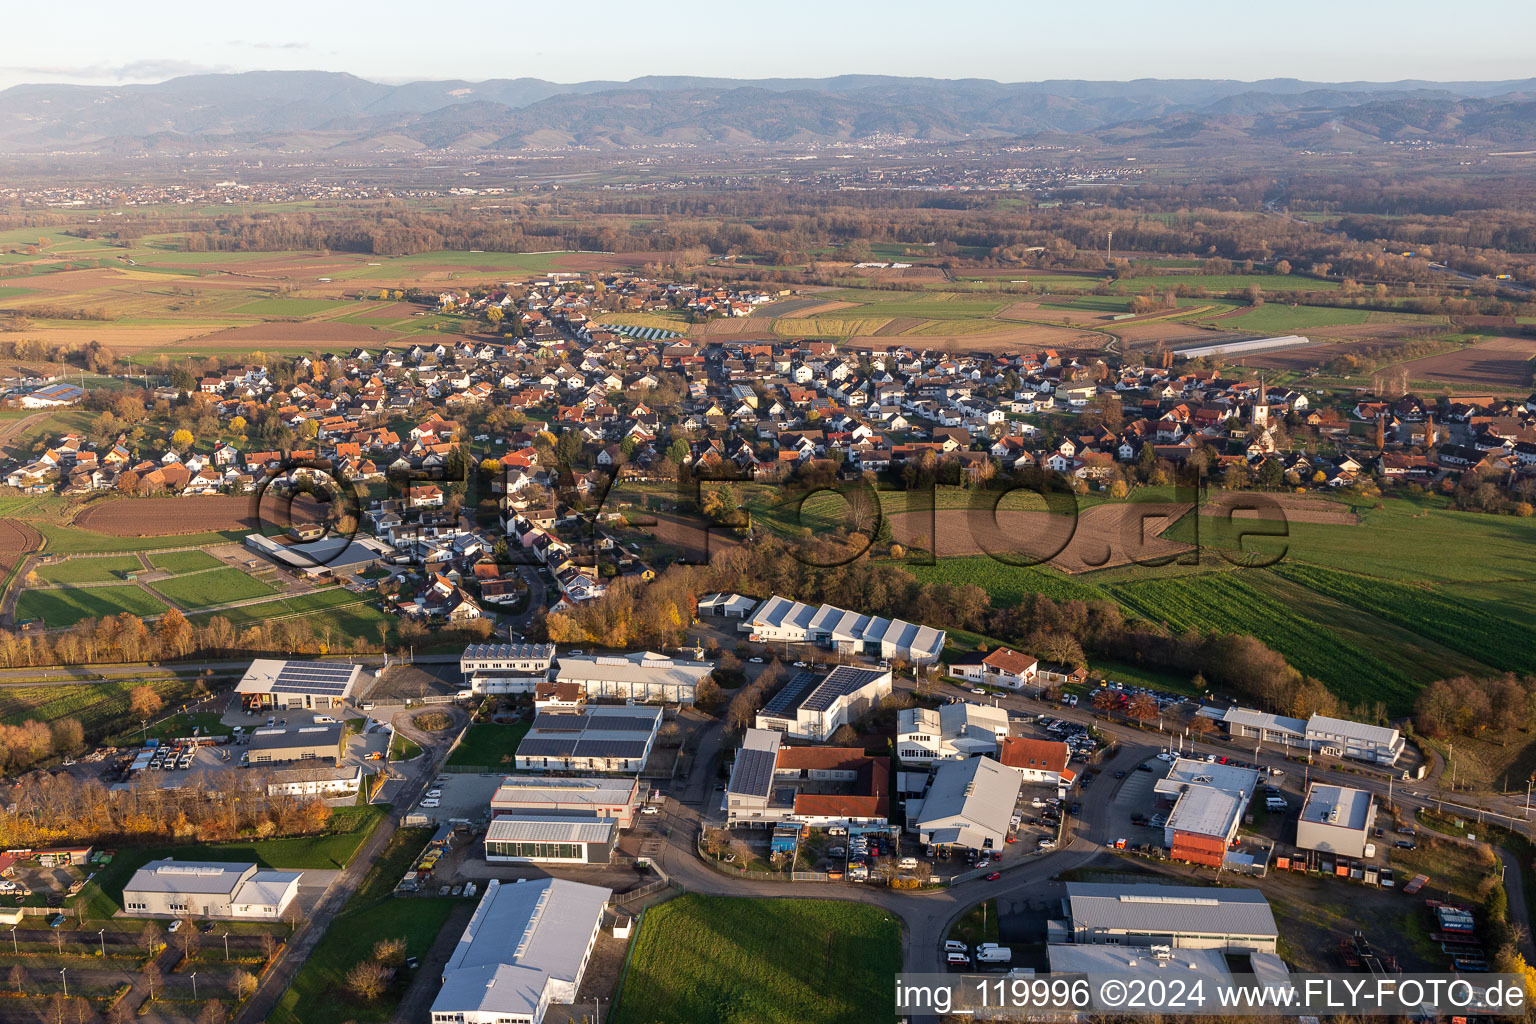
1143 707
366 980
182 439
150 939
18 980
145 703
213 1013
188 939
152 977
389 952
243 984
237 425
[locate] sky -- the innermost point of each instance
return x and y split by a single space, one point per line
1007 40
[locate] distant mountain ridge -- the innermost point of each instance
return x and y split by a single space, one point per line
293 111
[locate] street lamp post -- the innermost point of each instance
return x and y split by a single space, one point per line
14 949
102 935
65 978
226 945
194 985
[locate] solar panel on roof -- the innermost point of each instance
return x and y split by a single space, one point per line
540 746
754 771
619 723
789 698
610 748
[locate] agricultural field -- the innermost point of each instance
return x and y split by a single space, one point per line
98 706
1226 602
214 587
770 961
1278 318
65 607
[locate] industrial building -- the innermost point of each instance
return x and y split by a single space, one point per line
643 675
1336 819
278 743
1332 737
820 786
812 707
526 948
780 619
968 805
1180 916
270 684
172 888
950 732
549 839
608 797
594 739
324 558
319 781
1209 801
506 668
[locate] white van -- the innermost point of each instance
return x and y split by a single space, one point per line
953 946
907 863
1275 803
993 954
957 959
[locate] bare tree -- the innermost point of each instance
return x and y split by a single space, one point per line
152 977
150 938
366 980
188 939
18 980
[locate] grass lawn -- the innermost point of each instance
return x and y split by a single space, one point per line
66 607
69 540
370 915
206 723
89 570
978 925
401 748
217 586
184 561
489 744
768 961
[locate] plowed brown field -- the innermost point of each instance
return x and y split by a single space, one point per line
167 517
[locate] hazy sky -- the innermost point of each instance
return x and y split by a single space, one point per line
1009 40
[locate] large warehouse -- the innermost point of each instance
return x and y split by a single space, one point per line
525 948
174 888
549 839
595 739
1181 916
813 707
270 684
780 619
1336 819
643 675
303 743
506 668
968 805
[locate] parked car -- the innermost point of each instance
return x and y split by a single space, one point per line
1047 844
1406 844
649 809
756 661
174 926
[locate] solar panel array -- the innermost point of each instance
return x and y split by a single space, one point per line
787 699
640 333
753 773
619 723
316 677
840 681
559 723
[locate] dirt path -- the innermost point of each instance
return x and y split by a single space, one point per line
11 431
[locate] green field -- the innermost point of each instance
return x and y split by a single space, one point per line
1274 317
1231 282
490 744
89 570
59 608
350 614
71 540
184 561
98 706
764 961
286 307
216 586
1007 584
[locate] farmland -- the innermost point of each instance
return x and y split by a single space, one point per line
97 706
183 561
1275 317
771 961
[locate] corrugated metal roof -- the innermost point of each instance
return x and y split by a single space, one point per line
1169 909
